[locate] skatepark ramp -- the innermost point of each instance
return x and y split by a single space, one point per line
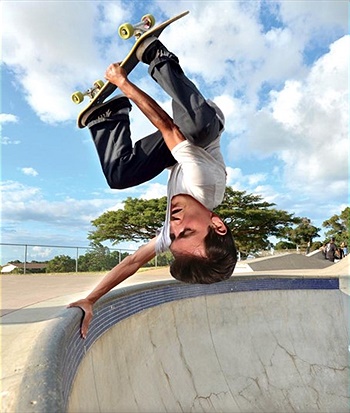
288 261
249 344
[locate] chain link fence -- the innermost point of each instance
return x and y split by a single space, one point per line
28 258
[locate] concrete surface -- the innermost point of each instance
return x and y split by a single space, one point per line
34 308
265 351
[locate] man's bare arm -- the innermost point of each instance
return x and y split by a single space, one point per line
156 115
124 270
119 273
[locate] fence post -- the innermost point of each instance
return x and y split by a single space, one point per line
76 260
25 259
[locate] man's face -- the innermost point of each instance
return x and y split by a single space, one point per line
189 225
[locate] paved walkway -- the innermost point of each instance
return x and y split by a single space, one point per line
20 291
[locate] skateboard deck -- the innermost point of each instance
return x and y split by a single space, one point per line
100 92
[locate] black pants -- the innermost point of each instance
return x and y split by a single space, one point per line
126 165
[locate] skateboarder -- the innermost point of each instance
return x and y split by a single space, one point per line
189 146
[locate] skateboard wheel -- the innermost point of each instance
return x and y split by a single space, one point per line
126 30
99 84
77 97
149 18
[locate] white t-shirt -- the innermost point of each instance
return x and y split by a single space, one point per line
198 172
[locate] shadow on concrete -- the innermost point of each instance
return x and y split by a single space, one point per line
30 315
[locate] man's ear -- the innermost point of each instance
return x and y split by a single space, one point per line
218 224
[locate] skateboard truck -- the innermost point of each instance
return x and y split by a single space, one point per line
141 31
127 30
78 97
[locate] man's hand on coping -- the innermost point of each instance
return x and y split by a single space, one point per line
86 306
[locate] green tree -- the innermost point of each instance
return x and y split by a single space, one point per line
285 245
338 226
61 263
99 258
303 234
162 260
139 220
252 220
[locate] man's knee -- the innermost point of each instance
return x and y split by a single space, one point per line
203 127
122 176
114 176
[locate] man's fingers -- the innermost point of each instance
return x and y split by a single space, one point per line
86 307
114 73
85 325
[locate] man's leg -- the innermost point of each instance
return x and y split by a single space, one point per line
196 119
124 164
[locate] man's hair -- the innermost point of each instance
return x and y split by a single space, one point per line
218 265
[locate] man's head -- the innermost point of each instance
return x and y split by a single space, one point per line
202 244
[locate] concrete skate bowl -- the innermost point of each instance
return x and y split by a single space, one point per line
244 345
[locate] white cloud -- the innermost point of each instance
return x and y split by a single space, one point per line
286 104
8 118
148 190
241 182
318 156
202 26
40 253
15 192
5 140
234 178
58 49
308 15
235 112
305 125
119 205
254 179
29 171
154 190
23 203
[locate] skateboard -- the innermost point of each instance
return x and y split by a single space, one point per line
100 91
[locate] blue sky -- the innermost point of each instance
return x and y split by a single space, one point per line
277 69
